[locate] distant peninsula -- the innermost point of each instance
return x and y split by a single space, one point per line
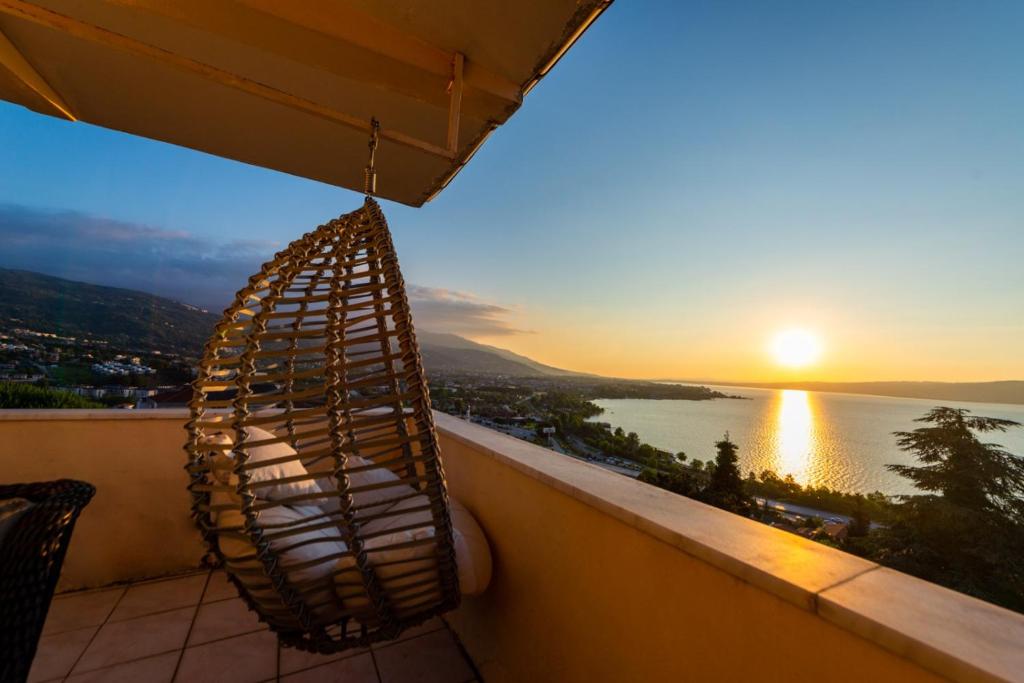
1007 391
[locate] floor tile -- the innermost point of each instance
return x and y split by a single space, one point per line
78 610
159 669
57 653
434 624
295 660
242 659
358 669
431 658
137 638
223 619
219 587
159 596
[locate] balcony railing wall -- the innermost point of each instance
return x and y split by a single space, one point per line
596 577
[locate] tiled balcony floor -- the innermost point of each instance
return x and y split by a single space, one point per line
196 628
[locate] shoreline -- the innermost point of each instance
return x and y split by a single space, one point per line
1010 392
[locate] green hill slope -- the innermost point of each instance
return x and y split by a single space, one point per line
123 317
129 319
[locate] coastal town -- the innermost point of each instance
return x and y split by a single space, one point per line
88 367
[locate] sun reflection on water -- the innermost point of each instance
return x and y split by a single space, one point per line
795 420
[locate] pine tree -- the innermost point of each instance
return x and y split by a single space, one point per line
725 487
967 530
967 472
860 523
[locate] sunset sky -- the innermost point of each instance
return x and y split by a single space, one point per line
691 180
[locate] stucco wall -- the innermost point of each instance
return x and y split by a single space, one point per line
138 524
578 596
596 577
601 578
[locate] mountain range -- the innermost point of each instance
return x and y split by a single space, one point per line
443 352
125 318
130 319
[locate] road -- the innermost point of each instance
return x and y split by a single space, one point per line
791 509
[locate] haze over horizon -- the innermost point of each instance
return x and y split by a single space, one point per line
853 171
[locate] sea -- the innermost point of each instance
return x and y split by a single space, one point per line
843 441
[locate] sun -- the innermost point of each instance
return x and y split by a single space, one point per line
795 348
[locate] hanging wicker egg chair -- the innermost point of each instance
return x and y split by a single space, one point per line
314 467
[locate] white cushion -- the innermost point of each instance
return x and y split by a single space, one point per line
398 515
319 547
472 552
419 558
290 468
321 542
364 500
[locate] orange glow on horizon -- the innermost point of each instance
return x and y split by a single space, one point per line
739 349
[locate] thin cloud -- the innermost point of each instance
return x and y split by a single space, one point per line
261 250
171 263
448 310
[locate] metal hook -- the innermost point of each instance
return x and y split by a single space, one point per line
370 182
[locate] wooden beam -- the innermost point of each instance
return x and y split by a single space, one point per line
462 162
342 23
455 103
85 31
580 30
15 62
341 41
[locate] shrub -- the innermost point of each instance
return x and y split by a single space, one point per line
14 395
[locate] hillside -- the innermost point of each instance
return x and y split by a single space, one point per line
123 317
129 319
444 352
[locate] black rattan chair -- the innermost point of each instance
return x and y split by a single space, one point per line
31 554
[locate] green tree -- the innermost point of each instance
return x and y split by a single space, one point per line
967 472
13 395
967 530
632 442
725 487
675 480
812 522
860 523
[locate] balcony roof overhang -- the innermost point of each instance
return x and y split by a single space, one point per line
293 86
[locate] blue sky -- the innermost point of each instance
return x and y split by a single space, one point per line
691 178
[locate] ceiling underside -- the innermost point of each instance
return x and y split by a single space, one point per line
292 86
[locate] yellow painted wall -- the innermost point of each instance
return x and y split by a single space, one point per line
138 524
577 595
580 596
